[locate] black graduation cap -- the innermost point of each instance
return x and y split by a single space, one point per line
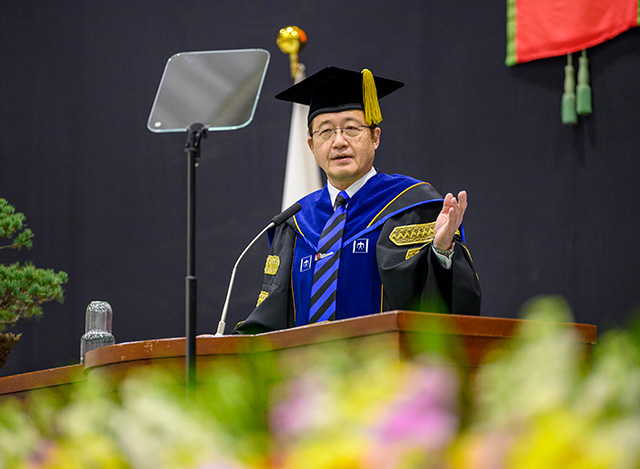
334 89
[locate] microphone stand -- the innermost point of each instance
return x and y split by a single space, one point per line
275 221
223 323
195 134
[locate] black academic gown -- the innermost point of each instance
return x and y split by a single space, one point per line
386 262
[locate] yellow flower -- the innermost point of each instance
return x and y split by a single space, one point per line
565 440
344 451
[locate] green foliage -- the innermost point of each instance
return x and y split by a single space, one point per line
13 228
23 288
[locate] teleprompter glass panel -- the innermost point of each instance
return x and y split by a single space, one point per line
219 89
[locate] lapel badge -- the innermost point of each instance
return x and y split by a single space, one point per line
305 263
361 246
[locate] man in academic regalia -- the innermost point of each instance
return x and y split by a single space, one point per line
367 242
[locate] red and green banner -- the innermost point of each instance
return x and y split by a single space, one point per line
537 29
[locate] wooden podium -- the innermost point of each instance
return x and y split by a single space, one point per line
396 331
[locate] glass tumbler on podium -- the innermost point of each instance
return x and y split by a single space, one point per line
98 323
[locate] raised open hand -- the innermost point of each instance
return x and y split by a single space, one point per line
449 220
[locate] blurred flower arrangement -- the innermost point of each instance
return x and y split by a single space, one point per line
539 404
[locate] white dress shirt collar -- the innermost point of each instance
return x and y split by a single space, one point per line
353 188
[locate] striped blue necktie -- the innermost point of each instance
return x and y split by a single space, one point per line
325 274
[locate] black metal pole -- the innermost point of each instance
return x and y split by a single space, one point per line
195 134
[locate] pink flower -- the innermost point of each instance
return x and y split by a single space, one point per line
299 409
426 414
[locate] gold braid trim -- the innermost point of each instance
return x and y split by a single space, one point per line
263 296
413 234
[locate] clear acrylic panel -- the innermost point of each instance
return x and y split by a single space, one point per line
219 89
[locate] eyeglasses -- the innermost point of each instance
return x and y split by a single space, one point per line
351 131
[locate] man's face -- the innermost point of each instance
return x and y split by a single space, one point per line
344 159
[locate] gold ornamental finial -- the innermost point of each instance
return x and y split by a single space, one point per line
291 40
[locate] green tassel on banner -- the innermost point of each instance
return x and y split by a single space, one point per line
569 114
583 90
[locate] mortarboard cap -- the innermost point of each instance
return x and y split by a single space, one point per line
334 89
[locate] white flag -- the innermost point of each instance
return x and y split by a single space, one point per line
302 175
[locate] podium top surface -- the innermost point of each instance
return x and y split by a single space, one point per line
466 327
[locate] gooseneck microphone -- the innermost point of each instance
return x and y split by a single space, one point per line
275 221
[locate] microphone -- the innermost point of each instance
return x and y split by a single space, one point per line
284 216
275 221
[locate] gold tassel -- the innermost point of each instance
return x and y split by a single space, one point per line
372 112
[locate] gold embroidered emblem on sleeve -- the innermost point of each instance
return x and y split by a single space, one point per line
272 265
